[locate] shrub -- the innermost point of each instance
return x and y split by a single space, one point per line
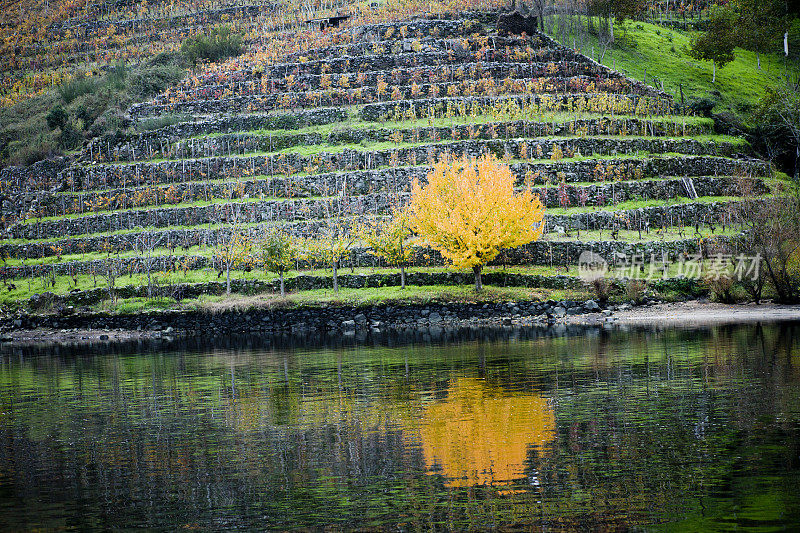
221 43
773 234
57 117
602 289
682 286
90 106
776 129
115 76
94 105
113 120
149 81
721 288
635 289
156 123
76 87
754 287
167 59
70 137
27 153
702 106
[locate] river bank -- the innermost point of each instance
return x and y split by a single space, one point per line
348 321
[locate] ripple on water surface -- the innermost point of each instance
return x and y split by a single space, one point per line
674 429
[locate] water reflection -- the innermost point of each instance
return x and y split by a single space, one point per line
691 429
481 435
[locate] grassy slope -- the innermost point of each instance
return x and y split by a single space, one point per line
663 53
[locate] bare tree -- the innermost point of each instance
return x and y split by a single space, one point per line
110 273
772 235
146 244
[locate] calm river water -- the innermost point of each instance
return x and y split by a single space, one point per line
674 429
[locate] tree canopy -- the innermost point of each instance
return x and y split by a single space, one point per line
468 211
716 44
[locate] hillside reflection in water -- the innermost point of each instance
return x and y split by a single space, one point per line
677 429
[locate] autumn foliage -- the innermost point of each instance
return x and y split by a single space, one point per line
469 211
491 447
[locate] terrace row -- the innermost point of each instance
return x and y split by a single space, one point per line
258 210
254 189
170 143
716 211
105 176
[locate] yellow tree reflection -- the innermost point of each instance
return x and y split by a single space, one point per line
480 435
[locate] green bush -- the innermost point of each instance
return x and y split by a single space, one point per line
722 288
772 235
168 59
776 127
30 151
116 75
151 80
635 290
57 117
221 43
70 137
113 120
36 128
90 106
76 87
156 123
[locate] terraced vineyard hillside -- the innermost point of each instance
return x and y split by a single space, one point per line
332 136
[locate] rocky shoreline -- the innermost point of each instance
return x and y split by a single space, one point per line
331 320
361 322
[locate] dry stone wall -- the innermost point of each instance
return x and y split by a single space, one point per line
140 147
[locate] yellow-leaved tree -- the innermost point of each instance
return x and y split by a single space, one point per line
468 211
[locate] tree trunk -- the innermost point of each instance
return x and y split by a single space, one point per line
283 287
228 280
758 60
402 276
478 282
714 75
610 30
336 277
775 281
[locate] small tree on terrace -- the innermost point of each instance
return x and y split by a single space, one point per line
233 249
277 254
331 246
146 244
390 241
772 236
469 212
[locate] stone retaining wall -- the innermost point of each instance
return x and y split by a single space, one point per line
167 172
301 209
310 89
431 318
140 147
576 195
537 253
305 283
